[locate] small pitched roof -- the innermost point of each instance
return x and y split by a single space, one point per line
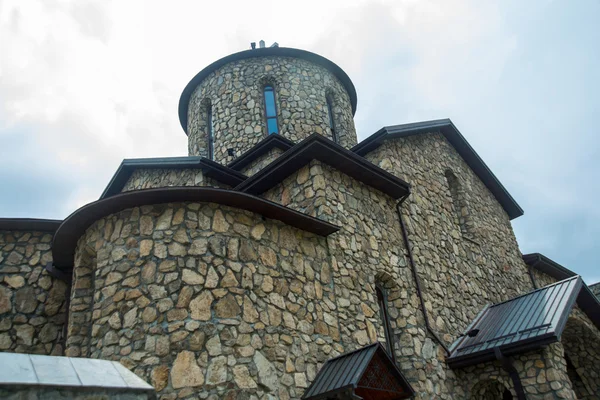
211 169
368 373
318 147
76 373
259 149
457 140
517 325
587 301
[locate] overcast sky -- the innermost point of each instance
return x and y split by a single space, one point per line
84 84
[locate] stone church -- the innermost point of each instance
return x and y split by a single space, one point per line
283 259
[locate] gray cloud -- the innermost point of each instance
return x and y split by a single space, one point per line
88 84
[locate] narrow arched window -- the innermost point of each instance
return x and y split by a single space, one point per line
385 319
210 132
334 136
459 204
270 110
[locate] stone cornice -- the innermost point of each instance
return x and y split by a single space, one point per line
69 232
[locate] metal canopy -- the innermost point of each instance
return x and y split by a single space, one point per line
517 325
367 373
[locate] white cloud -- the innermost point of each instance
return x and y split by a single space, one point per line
84 84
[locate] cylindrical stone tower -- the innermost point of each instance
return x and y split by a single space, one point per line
239 100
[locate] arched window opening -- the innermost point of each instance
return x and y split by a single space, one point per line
459 204
385 320
334 135
270 110
210 131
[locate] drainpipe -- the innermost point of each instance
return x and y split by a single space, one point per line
416 276
530 270
512 372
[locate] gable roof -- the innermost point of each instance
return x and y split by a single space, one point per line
259 149
264 52
318 147
524 323
345 374
586 300
210 168
457 140
29 224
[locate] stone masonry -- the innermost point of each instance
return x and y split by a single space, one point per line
235 94
204 299
32 303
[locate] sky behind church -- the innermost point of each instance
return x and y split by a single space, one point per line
84 84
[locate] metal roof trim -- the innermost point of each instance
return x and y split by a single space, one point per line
318 147
259 149
29 224
457 140
212 169
511 328
71 229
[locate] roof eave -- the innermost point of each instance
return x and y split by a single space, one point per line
457 140
29 224
212 169
317 147
261 148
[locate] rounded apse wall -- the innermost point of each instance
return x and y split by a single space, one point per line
203 297
230 95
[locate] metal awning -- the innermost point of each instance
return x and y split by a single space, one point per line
367 373
517 325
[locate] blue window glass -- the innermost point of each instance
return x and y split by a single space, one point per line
331 123
270 110
210 130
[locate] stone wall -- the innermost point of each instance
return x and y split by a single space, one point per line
32 303
541 279
581 342
261 162
368 250
543 374
235 94
192 295
160 177
461 274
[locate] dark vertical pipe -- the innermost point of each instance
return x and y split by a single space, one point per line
512 372
416 276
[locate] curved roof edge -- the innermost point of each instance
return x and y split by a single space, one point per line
29 224
69 232
264 52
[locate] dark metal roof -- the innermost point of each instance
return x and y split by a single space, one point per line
318 147
344 373
517 325
262 147
29 224
587 301
212 169
264 52
457 140
69 232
